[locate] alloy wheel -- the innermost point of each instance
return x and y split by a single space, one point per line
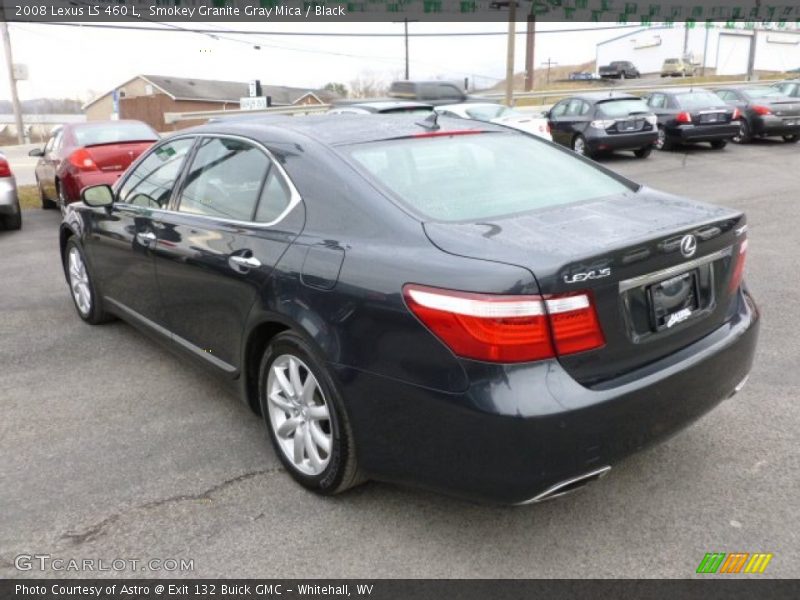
662 138
299 415
79 282
579 146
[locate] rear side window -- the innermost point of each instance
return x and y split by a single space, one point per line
275 197
92 135
151 182
468 177
622 108
224 180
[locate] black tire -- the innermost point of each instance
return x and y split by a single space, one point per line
663 142
579 146
791 139
643 152
341 472
745 136
719 144
13 222
96 313
47 204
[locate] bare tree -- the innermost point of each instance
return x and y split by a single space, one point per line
367 85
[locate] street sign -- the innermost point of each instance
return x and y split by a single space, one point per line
19 72
255 103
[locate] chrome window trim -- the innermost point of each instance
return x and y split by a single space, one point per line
635 282
294 200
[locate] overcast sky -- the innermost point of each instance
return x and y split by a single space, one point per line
77 62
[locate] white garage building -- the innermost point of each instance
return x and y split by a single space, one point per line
726 50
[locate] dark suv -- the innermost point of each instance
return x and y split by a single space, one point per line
619 69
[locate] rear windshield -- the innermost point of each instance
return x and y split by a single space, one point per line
481 175
761 92
692 100
622 107
790 89
114 132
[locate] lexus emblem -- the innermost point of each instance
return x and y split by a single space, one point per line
688 245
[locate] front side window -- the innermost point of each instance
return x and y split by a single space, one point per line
151 183
224 180
470 176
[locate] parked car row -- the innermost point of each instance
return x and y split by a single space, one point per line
599 122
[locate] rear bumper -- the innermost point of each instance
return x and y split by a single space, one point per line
771 125
703 133
513 436
603 141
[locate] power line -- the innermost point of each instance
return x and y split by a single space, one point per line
217 32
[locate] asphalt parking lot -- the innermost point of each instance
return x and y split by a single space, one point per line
111 447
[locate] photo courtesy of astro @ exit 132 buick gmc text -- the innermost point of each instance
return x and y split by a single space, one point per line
398 301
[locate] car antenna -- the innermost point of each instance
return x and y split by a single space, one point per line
431 122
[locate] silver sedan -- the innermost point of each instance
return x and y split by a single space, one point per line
10 215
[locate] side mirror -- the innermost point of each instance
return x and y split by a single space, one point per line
546 114
98 196
36 152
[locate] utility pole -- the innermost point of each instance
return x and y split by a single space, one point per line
12 80
705 50
512 31
530 41
405 23
550 63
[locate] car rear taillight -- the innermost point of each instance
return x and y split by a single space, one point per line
738 268
507 329
737 114
761 110
5 168
574 323
82 160
684 117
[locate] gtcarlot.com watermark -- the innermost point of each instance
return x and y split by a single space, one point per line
46 562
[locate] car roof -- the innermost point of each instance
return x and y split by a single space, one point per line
464 105
599 96
682 90
386 105
341 129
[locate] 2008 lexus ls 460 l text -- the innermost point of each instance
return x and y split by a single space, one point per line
438 302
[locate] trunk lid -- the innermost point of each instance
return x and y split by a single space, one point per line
783 107
118 156
620 249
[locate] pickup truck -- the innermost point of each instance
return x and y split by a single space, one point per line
435 93
619 69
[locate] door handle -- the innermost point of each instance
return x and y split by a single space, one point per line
243 262
146 237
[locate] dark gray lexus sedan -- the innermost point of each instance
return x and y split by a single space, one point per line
449 304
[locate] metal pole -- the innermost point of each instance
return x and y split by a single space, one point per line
405 28
530 41
512 23
12 82
705 50
751 58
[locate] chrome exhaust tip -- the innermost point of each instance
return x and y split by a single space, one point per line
568 486
739 386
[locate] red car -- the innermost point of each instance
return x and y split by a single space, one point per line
84 154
